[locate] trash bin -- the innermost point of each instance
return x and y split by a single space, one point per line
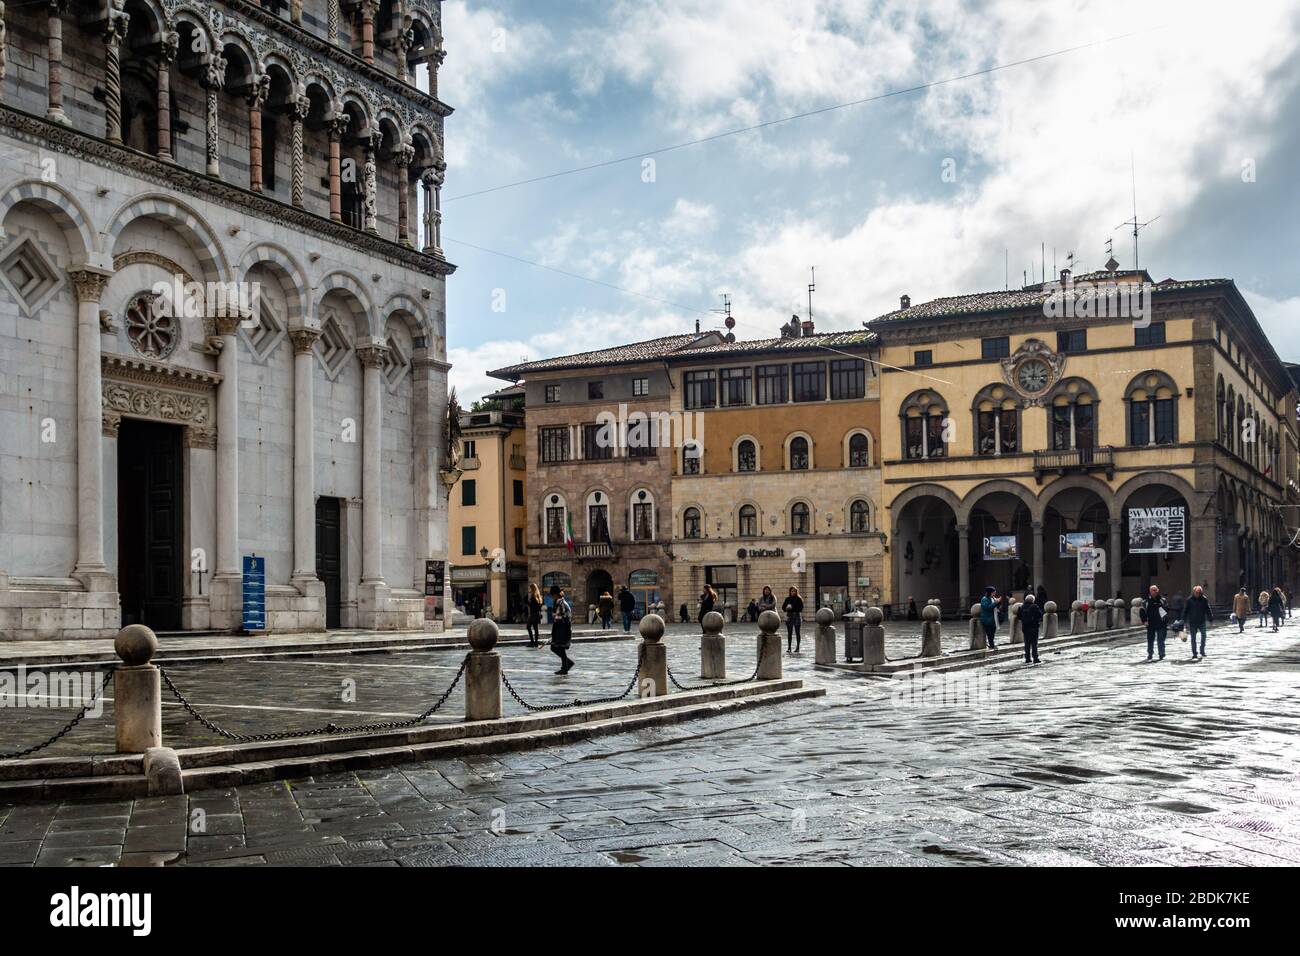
854 628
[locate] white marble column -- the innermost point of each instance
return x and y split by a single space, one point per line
429 380
372 472
90 569
304 460
228 564
214 75
54 61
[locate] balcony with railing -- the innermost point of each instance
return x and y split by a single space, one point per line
1074 460
600 549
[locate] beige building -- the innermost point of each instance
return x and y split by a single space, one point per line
782 484
488 515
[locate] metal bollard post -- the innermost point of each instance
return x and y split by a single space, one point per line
713 648
931 632
979 641
137 695
1051 622
483 673
824 640
1017 632
873 637
652 675
769 646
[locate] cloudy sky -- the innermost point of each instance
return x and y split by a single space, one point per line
927 193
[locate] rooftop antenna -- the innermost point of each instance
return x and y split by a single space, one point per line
812 287
1111 262
1006 268
1134 223
729 322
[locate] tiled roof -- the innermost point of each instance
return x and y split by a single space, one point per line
630 354
1031 297
841 340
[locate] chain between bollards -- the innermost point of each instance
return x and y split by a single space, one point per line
68 727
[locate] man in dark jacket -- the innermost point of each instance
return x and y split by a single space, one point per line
989 616
1197 615
1155 612
1276 608
1031 617
626 604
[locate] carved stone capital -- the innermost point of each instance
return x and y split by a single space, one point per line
372 356
198 436
404 155
301 107
303 340
112 422
170 46
89 282
115 27
259 91
338 124
214 71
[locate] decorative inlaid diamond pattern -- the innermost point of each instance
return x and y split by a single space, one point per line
333 349
396 364
29 276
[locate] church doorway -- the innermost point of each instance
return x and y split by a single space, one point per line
150 535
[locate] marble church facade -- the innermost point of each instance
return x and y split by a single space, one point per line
292 156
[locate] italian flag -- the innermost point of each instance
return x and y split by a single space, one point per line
568 532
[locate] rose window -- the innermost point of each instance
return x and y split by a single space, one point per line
151 327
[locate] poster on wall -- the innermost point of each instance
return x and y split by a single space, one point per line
1072 541
1001 547
1157 530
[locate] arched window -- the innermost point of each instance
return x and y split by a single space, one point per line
642 515
924 417
598 518
746 455
800 519
692 457
691 523
1239 417
800 459
859 450
748 521
555 519
1152 400
1073 416
997 421
1222 419
859 517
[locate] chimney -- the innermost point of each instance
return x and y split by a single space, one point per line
904 302
807 327
1065 277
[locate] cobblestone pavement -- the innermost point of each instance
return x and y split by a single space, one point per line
1094 757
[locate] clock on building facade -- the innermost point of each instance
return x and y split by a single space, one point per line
1033 370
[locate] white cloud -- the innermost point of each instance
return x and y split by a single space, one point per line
1280 319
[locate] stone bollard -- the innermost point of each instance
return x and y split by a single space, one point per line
137 693
769 646
713 648
483 672
931 632
1051 621
652 676
1077 618
873 637
1135 613
1017 632
979 641
1115 617
824 641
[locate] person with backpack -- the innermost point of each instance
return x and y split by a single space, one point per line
1155 614
627 606
1031 618
989 616
793 608
1241 609
562 630
1197 615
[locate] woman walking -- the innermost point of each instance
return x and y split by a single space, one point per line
1277 607
1241 609
605 605
562 630
1264 597
766 600
534 616
707 600
793 608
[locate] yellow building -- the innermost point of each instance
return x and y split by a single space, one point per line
780 482
489 564
1154 421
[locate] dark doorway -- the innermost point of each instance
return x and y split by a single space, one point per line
329 558
150 550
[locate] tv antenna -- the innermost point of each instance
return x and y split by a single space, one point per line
1136 225
812 287
729 322
1111 262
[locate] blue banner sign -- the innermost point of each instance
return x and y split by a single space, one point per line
254 593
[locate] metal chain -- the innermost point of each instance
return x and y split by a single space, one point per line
327 729
542 708
762 650
81 714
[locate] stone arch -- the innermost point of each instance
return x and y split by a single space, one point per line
741 505
1033 502
735 452
1195 499
61 206
925 490
363 309
353 102
400 301
203 241
157 18
788 444
847 442
1085 482
788 513
873 513
291 274
561 501
426 145
246 60
194 18
633 499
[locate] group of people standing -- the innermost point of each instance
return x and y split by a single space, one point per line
1275 604
791 609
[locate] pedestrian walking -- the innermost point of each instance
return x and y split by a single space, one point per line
913 612
1276 608
989 616
1004 606
1241 609
1197 615
793 608
1031 618
534 616
1155 612
708 598
1264 597
627 606
751 610
1286 593
766 600
561 629
605 608
683 615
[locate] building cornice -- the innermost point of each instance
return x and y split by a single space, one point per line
43 134
146 372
